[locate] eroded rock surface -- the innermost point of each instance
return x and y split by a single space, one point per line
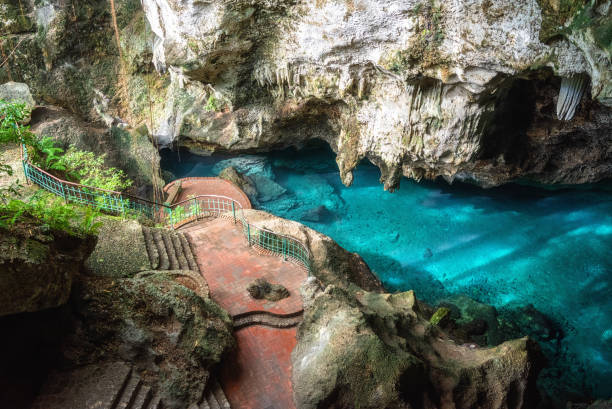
373 350
38 266
419 88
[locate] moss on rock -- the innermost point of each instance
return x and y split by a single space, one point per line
172 336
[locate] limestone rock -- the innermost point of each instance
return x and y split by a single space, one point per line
377 351
245 183
17 92
38 266
171 336
419 93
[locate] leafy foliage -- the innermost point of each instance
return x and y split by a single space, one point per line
88 169
47 155
51 211
12 116
212 104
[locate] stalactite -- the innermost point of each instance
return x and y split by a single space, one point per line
570 94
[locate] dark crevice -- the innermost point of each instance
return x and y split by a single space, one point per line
507 132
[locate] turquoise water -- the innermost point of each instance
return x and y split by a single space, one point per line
510 247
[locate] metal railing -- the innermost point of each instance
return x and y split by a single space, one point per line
201 206
172 216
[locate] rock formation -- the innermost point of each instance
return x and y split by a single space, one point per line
38 266
63 317
419 88
465 90
372 350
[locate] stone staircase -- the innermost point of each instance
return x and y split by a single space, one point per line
169 250
214 397
266 319
106 386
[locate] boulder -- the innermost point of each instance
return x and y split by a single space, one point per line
120 251
17 92
317 214
475 321
170 335
245 183
261 289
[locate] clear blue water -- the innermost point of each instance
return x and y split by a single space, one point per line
509 247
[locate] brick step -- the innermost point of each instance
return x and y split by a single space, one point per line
172 258
164 261
152 251
102 386
143 398
179 251
193 265
129 392
266 319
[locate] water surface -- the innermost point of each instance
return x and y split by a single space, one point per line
511 247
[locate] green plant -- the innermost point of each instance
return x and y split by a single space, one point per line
52 212
47 155
88 169
12 116
212 104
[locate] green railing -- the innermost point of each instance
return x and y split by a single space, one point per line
221 206
171 216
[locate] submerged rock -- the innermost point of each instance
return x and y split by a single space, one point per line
245 183
317 214
267 189
248 165
473 321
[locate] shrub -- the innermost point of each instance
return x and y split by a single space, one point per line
88 169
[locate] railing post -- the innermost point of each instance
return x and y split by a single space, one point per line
249 233
234 211
25 167
64 193
284 249
122 206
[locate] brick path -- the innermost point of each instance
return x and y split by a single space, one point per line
230 265
258 374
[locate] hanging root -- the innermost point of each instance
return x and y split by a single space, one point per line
572 90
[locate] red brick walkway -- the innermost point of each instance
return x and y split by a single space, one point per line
230 265
258 374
